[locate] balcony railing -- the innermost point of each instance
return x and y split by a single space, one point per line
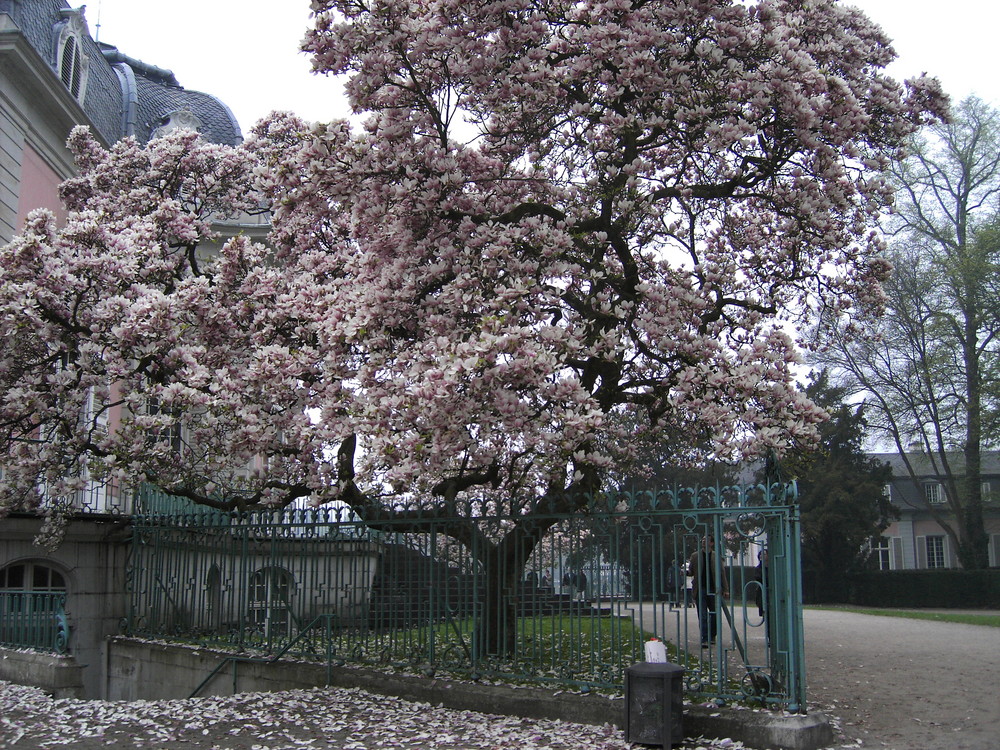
34 619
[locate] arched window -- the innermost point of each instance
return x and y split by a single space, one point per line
31 576
270 601
71 62
69 66
32 607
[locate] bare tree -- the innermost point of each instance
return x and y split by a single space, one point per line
929 366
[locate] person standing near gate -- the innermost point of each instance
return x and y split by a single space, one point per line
702 568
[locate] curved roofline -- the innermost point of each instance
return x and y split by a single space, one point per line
232 118
160 75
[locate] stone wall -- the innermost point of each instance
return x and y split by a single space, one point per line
61 676
92 560
151 670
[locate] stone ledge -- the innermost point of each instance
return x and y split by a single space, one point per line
758 729
183 667
60 676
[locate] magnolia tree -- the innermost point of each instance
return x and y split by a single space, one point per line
114 321
546 220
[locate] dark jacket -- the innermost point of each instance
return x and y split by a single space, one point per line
702 568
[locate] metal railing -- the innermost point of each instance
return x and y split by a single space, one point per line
94 498
574 605
321 621
33 619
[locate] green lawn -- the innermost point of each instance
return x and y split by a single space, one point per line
549 642
992 621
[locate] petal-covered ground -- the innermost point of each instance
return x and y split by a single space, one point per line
290 720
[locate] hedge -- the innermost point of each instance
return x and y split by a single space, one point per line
930 589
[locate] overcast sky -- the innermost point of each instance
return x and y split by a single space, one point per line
246 51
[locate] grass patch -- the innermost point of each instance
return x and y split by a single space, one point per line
591 653
991 621
544 644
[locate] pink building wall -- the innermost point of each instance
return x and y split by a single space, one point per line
39 187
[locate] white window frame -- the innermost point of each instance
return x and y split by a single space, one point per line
936 551
172 433
934 493
883 552
270 606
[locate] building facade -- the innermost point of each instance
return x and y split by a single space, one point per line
917 540
54 76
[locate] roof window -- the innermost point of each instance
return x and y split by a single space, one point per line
177 120
72 64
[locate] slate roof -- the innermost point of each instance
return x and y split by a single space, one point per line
113 84
158 100
924 467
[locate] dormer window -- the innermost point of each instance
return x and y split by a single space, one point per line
176 120
69 66
72 64
933 493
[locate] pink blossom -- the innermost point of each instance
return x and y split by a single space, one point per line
543 224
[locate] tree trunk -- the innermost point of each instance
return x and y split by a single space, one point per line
973 548
496 630
503 571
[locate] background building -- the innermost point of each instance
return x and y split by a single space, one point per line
917 541
56 76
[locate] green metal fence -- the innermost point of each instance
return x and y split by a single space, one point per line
550 599
33 619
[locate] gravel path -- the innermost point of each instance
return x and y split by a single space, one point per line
903 684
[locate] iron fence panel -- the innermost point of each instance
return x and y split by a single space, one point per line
33 619
569 599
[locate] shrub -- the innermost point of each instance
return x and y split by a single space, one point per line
919 589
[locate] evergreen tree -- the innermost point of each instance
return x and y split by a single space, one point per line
843 505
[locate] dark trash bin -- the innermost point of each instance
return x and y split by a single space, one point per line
654 704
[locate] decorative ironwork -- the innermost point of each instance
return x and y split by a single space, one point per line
573 606
61 642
